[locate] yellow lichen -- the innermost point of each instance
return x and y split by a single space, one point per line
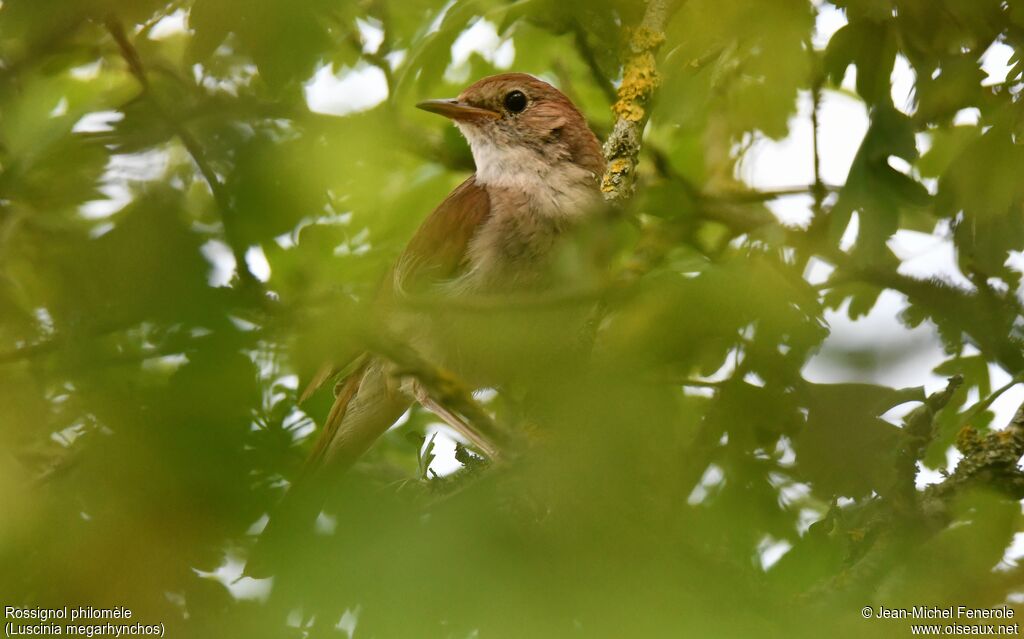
967 440
617 170
644 39
639 80
630 111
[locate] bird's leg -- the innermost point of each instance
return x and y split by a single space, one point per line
460 425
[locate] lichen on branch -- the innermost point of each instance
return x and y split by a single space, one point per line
640 79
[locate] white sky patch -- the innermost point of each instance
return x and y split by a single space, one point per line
1006 404
222 262
996 63
97 122
166 363
118 196
257 526
371 33
439 19
788 456
967 117
849 237
927 255
61 108
771 550
170 26
349 621
1013 555
257 262
793 210
121 171
899 164
86 72
903 79
242 588
1016 261
829 20
713 478
818 271
326 524
881 332
444 449
927 477
842 123
482 38
878 333
347 91
793 493
807 518
484 394
395 58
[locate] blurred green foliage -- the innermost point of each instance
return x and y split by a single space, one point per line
148 397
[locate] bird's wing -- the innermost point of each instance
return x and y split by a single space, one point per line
438 250
326 371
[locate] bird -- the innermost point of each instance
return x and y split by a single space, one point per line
538 169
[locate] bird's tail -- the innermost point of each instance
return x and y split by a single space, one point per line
367 402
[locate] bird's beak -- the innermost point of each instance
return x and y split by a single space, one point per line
457 110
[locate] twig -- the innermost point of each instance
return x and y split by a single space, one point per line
28 352
590 59
818 189
664 168
768 195
978 408
510 303
918 430
443 387
377 59
639 80
195 150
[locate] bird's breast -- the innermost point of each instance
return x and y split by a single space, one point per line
514 247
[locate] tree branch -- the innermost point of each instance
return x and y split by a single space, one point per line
990 460
441 386
639 80
919 429
982 405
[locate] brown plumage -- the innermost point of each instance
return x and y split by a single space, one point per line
438 250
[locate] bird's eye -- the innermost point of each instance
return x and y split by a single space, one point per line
515 101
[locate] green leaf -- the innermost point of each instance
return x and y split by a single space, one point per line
845 449
871 47
878 192
981 184
955 85
272 188
147 267
946 145
285 38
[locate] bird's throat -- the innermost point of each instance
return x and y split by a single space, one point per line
541 181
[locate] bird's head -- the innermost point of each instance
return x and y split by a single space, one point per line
514 120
